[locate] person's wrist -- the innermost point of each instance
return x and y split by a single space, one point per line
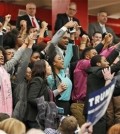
64 28
30 45
108 79
26 43
59 91
83 42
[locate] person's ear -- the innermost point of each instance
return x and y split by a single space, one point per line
54 63
87 57
98 64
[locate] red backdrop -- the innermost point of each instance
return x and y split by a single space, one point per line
82 12
7 8
58 6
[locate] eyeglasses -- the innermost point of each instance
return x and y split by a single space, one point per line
72 9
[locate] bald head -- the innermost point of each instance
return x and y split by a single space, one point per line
31 9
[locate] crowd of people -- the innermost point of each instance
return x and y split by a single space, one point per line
45 82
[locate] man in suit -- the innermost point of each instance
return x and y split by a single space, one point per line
100 26
63 18
32 21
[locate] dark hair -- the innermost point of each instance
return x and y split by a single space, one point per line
1 19
30 65
95 59
96 33
39 69
29 28
10 38
102 11
51 53
7 47
3 116
39 47
34 52
85 51
103 35
4 54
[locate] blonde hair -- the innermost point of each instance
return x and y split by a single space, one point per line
12 126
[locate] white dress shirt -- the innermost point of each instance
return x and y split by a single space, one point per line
103 28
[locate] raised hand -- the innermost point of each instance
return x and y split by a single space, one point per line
23 24
7 18
44 24
107 39
107 74
87 128
71 24
61 87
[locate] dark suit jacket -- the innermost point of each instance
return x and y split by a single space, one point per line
95 27
25 17
62 19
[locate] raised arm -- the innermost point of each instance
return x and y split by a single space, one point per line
25 59
62 31
11 63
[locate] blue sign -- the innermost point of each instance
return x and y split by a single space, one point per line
98 102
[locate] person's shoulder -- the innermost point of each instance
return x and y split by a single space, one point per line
36 79
38 20
109 28
23 16
94 70
61 14
93 23
75 19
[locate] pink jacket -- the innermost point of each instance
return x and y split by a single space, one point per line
106 52
5 92
80 80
